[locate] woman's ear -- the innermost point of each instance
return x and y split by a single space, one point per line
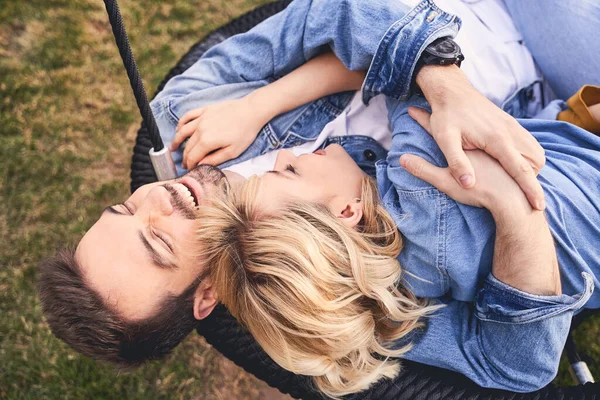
205 299
352 214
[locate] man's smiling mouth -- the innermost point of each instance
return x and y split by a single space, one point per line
188 192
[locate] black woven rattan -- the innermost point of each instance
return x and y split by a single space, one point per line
417 381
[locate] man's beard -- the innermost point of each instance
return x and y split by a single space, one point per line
207 176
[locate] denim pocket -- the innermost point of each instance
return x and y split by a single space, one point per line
421 217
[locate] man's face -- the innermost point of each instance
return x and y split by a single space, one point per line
143 249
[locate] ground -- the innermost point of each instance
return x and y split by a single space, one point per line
67 127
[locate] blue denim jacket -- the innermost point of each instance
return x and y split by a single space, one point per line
487 337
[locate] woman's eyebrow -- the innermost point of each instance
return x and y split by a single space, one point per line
279 173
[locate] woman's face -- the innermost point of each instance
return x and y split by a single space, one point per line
328 176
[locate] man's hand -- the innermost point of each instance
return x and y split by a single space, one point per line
217 132
524 254
494 189
463 119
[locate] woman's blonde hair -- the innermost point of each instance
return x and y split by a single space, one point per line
321 298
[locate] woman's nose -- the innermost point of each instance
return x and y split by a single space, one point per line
284 158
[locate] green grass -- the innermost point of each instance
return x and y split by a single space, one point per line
67 126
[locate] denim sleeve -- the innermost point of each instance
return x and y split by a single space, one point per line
382 36
507 339
353 29
391 72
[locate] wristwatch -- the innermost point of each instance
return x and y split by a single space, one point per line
442 51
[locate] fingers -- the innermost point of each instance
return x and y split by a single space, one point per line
194 152
523 173
451 145
421 116
183 133
441 178
188 116
460 166
217 157
523 158
533 152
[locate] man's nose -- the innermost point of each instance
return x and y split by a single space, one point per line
158 201
284 158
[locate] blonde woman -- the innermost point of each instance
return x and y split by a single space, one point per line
309 259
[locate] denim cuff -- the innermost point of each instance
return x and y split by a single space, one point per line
391 70
499 302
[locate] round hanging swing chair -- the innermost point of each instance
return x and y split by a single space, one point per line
221 330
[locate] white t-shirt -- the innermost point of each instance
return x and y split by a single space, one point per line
496 63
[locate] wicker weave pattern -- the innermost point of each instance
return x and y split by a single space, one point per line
221 330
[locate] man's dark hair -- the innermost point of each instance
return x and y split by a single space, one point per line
77 315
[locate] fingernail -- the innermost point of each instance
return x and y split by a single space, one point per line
542 205
466 180
404 160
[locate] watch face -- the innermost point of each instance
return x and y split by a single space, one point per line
444 48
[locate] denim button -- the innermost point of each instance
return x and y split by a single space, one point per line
370 155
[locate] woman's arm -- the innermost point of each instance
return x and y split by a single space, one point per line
320 77
222 131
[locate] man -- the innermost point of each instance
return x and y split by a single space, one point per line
132 292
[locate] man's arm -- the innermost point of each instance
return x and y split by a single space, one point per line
384 37
524 254
463 119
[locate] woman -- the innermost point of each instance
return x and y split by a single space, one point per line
306 257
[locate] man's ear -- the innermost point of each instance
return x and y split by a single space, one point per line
205 299
352 214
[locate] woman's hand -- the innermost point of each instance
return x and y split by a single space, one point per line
494 189
463 119
218 132
222 131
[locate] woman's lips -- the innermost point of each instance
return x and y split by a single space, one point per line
320 152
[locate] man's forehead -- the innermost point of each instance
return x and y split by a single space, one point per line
114 265
103 243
